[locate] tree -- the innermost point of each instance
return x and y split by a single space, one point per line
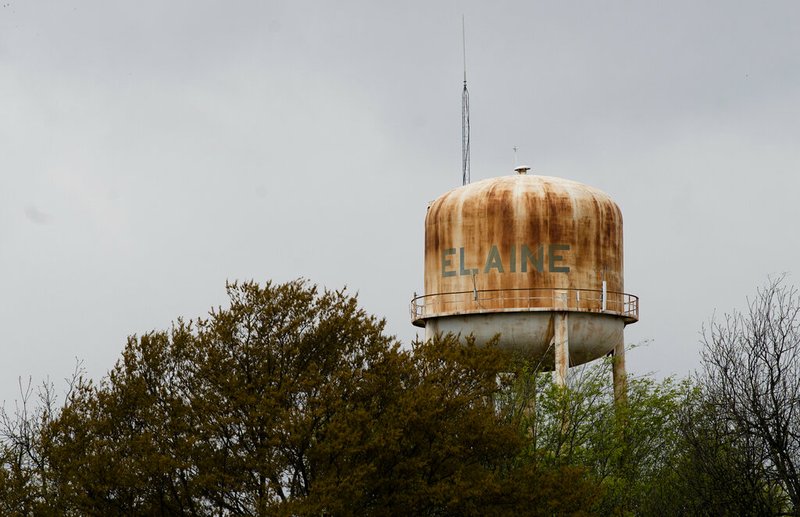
26 476
713 471
293 401
624 449
751 387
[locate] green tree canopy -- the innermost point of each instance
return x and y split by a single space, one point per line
291 401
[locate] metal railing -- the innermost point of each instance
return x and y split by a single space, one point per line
524 299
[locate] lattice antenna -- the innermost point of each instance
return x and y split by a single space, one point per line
465 172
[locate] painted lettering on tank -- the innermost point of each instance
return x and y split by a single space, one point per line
537 261
551 253
462 269
446 262
493 260
527 256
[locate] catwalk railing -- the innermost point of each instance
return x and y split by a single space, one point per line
524 299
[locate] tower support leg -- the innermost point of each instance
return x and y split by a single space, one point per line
561 338
619 375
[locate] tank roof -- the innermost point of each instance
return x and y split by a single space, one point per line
529 183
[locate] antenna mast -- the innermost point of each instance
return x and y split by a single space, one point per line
465 173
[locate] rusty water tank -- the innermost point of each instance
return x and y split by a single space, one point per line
506 255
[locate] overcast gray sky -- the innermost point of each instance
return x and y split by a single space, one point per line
152 150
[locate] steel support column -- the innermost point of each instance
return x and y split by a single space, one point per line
561 339
618 373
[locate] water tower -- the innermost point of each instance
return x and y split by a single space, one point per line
535 259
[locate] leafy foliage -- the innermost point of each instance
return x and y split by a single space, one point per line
293 401
290 401
622 448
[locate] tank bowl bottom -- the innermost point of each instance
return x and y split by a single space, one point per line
590 335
